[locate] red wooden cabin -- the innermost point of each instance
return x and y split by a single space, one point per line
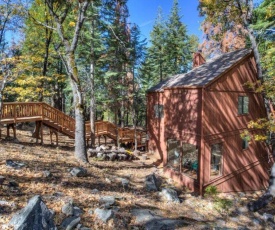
195 121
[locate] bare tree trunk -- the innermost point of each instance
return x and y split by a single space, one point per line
80 143
247 19
70 46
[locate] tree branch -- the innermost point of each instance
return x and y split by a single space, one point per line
79 23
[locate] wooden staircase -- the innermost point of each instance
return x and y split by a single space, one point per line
18 112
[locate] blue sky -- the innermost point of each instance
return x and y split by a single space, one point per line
144 13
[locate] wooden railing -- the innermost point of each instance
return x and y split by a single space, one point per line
15 112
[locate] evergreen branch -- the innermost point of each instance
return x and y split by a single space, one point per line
40 23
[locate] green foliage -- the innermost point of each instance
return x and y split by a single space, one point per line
211 191
171 48
222 205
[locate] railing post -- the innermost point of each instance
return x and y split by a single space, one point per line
42 110
14 113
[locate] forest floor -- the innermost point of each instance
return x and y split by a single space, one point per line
198 213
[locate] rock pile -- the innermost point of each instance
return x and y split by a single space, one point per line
112 154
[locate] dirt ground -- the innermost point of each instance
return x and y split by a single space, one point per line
199 213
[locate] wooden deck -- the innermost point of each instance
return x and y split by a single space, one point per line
18 112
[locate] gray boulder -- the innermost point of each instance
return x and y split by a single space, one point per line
68 209
95 191
35 214
151 183
78 172
151 221
170 195
125 183
107 200
70 223
104 214
14 164
77 211
47 173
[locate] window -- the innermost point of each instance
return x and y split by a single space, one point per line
158 111
216 160
243 105
183 157
245 143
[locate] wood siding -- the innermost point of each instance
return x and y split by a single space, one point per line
243 169
207 116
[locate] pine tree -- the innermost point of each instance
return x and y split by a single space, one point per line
177 52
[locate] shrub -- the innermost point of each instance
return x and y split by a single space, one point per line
211 191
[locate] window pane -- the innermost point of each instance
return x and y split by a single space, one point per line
240 105
216 160
245 144
158 110
245 105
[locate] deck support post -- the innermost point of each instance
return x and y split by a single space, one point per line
99 140
51 136
13 129
41 132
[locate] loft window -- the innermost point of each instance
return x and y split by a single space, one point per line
216 160
158 111
243 105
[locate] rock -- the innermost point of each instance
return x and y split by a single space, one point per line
143 215
104 215
114 147
121 149
14 164
68 209
256 221
136 153
242 210
170 195
90 212
152 221
95 191
92 153
98 149
125 183
58 194
78 172
100 155
151 183
108 180
104 147
165 224
122 157
112 156
144 157
267 217
77 211
35 214
2 179
107 200
70 223
13 184
47 174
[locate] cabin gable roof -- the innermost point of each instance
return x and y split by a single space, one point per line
204 74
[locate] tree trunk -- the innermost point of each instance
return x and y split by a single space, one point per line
92 96
247 19
80 141
92 106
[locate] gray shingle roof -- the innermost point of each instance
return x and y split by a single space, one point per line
204 74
